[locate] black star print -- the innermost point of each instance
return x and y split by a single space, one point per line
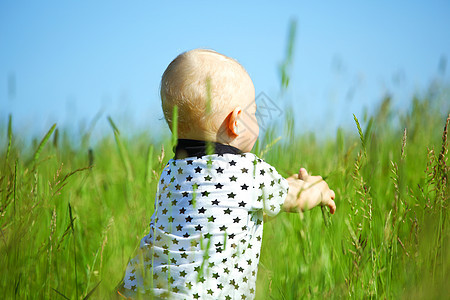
211 219
182 210
227 211
219 186
198 169
208 235
189 162
219 170
175 241
178 187
164 211
208 178
168 172
232 163
174 202
183 273
188 219
186 235
185 194
220 286
244 187
244 170
189 178
201 210
242 204
198 227
223 228
180 171
179 227
262 172
205 193
233 178
231 195
215 202
236 220
232 236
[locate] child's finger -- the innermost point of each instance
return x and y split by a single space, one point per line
332 195
302 174
332 206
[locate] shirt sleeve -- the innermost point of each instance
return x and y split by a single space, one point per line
270 188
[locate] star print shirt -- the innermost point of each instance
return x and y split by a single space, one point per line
205 234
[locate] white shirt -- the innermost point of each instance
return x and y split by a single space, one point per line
206 231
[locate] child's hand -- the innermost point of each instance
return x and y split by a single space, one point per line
306 192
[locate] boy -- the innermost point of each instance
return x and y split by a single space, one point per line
205 234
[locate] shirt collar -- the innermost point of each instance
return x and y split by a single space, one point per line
191 148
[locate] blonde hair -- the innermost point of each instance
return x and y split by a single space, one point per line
203 84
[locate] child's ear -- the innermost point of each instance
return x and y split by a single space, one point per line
233 124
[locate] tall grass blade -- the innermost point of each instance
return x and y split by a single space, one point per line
8 151
92 291
42 144
61 294
361 135
122 151
175 126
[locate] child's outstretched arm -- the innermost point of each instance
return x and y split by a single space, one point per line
306 192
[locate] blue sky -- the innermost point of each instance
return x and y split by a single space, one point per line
66 61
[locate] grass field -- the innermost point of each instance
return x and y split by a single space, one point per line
73 213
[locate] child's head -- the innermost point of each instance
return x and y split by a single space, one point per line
211 91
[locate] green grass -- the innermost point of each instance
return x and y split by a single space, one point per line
71 215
